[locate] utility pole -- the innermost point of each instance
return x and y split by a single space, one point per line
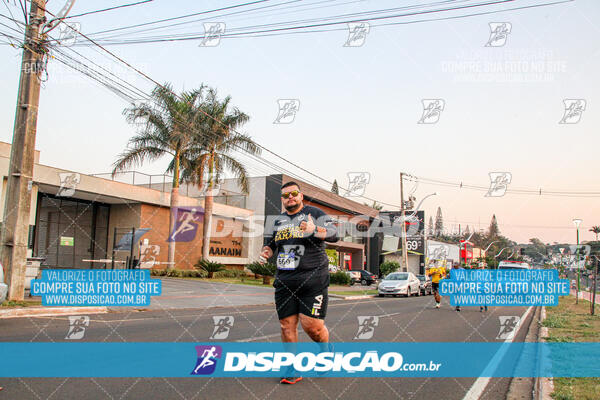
15 226
403 213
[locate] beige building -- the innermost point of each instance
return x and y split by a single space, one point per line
77 220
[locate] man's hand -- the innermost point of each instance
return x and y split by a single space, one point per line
309 226
265 254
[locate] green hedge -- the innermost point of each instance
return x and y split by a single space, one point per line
339 278
265 270
388 267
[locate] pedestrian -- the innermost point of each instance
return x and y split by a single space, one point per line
297 239
458 266
436 274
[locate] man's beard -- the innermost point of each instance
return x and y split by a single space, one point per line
293 208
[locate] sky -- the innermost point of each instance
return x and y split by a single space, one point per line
360 105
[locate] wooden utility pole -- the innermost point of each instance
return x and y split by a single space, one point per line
15 225
403 213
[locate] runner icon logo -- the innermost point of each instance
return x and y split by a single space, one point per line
499 182
432 109
68 183
574 108
212 34
207 359
498 34
77 325
287 111
366 327
357 34
508 327
223 325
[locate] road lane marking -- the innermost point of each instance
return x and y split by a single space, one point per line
481 383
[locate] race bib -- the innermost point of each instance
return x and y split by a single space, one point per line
286 261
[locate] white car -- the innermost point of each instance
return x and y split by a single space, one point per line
3 286
513 265
397 283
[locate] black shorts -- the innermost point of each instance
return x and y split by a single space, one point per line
435 286
299 297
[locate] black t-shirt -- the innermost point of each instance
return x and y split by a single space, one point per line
299 256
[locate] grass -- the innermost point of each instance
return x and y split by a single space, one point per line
24 303
570 322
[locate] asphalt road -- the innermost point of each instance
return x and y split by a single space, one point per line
400 319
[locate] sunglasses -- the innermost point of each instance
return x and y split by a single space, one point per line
293 193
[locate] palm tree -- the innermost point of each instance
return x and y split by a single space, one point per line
165 124
214 139
375 205
596 230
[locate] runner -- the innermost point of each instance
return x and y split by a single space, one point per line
297 239
436 274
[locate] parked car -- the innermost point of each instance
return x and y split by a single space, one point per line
513 265
426 286
367 278
354 276
3 286
398 283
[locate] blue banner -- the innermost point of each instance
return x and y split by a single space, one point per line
363 359
76 287
510 287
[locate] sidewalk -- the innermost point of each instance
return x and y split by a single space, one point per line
18 312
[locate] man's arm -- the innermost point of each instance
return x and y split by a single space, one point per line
325 229
268 249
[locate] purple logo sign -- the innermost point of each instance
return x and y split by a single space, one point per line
207 359
187 220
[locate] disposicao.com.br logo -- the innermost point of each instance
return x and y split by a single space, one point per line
268 363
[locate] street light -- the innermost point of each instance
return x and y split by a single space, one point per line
577 222
404 248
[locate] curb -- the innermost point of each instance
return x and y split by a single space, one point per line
544 386
49 311
342 297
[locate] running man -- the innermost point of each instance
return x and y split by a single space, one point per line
207 360
297 239
436 274
189 221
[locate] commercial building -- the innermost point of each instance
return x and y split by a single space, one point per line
415 239
86 221
355 249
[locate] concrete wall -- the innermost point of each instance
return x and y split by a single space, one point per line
122 216
413 261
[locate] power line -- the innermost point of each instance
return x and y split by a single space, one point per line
264 32
108 9
305 29
536 192
180 17
246 12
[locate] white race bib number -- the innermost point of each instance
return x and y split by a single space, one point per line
286 261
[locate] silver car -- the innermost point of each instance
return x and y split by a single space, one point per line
397 283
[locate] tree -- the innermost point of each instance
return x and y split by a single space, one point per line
467 232
164 129
214 138
334 188
439 223
493 231
375 205
596 230
430 227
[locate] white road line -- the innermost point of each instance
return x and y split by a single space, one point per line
481 383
